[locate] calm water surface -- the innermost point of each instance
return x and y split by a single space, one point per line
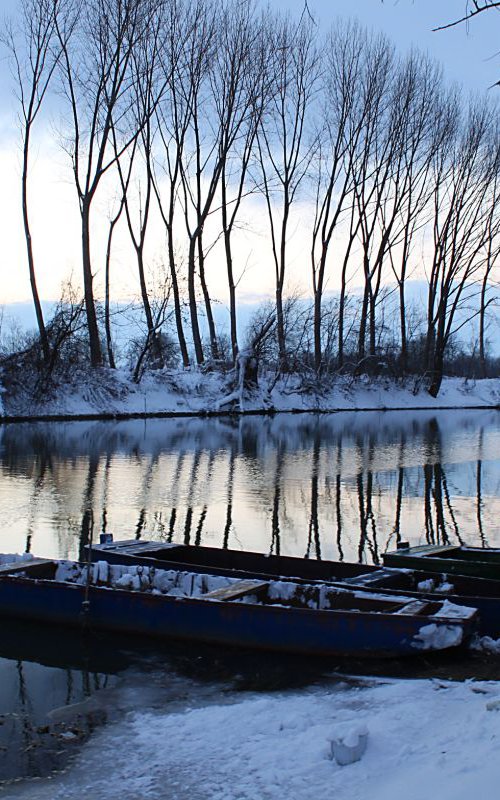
336 486
342 486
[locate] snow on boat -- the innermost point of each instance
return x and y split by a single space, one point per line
314 619
421 584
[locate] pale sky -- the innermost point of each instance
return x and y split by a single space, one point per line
469 56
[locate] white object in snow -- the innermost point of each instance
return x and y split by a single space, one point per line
348 744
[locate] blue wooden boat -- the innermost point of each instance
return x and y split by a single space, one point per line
473 592
284 616
478 562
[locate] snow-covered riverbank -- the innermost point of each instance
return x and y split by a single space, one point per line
425 738
193 392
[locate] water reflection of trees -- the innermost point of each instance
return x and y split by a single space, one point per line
438 505
313 538
479 489
30 743
348 486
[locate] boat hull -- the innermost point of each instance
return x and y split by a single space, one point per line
274 628
470 591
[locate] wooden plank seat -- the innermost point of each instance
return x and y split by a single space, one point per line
368 578
415 607
236 590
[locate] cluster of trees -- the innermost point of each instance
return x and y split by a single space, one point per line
189 108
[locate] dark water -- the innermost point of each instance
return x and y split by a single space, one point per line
342 486
47 706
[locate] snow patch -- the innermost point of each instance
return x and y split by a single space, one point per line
445 588
438 637
450 610
422 742
486 644
426 586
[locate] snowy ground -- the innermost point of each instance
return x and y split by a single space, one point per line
426 738
192 392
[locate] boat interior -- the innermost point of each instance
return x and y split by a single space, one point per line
180 584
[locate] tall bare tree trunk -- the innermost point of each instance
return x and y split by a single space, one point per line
44 340
214 345
107 313
402 327
482 325
193 307
88 279
232 293
177 302
362 324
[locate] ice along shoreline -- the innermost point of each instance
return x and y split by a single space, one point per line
123 417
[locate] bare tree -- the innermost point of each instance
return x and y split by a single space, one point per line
462 187
241 87
113 221
147 88
34 53
284 148
221 85
197 163
491 251
96 78
173 114
373 157
394 198
340 129
422 132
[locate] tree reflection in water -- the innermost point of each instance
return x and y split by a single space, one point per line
342 486
45 708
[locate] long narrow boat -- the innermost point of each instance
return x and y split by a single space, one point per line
478 562
315 619
480 593
233 563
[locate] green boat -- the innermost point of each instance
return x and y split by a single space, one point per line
479 562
